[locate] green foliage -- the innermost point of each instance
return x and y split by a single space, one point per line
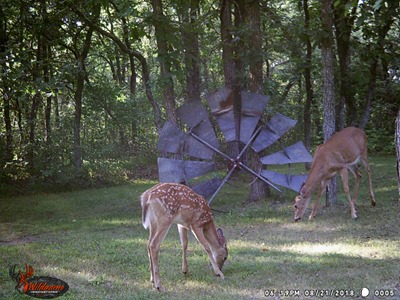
39 58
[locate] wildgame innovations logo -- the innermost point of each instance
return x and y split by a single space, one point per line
43 287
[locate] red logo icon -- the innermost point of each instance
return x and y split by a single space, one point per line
39 286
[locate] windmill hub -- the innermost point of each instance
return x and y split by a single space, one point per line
199 144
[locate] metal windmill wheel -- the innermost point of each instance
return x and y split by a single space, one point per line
197 143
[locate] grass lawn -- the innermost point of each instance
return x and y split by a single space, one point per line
94 241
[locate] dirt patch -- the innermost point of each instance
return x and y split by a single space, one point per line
19 240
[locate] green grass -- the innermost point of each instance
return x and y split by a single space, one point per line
94 241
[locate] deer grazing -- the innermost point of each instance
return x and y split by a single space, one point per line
340 154
168 203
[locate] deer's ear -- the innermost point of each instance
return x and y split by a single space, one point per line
221 237
302 188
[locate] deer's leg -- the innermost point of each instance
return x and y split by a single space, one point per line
198 232
344 173
156 238
318 198
357 175
367 168
149 254
183 235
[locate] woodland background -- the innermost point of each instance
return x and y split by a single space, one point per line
86 85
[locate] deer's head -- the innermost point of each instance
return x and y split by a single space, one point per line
223 255
300 203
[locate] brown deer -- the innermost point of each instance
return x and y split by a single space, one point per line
168 203
340 154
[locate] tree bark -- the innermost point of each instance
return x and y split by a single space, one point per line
5 87
192 54
344 24
80 58
164 60
397 143
259 189
227 47
328 86
308 83
230 72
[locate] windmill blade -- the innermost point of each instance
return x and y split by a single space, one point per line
192 113
171 139
247 127
253 104
296 153
221 104
207 188
174 140
176 170
171 170
220 101
226 122
205 132
277 126
194 148
293 182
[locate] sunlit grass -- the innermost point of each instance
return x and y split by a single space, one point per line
94 241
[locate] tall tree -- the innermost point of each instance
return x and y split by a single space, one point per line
190 37
344 21
259 189
328 85
384 15
4 51
160 24
307 78
231 66
80 55
397 144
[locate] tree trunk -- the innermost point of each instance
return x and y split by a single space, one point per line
7 121
344 25
259 189
328 86
49 96
132 77
36 99
81 57
397 143
228 61
370 93
164 60
5 87
227 47
308 82
192 54
78 160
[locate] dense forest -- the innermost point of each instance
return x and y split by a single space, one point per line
87 85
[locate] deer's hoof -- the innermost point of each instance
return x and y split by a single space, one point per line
160 289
